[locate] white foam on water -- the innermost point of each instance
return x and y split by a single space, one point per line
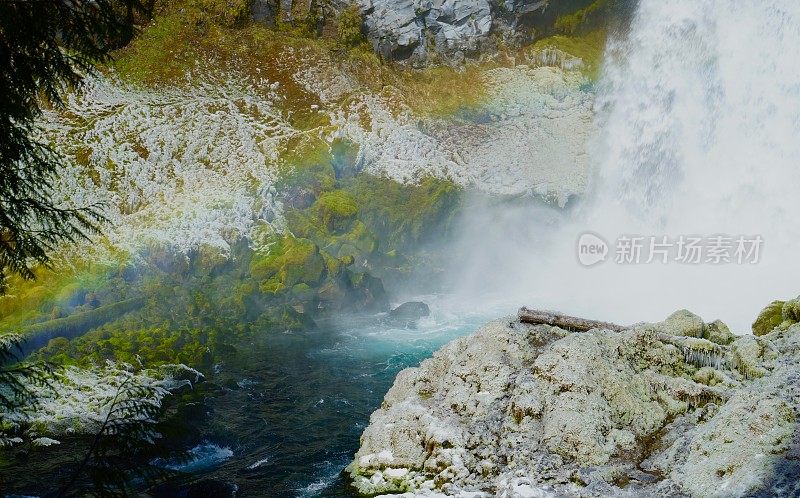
202 457
258 463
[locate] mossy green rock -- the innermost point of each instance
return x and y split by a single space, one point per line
708 376
288 262
367 292
790 312
718 333
769 318
684 322
335 209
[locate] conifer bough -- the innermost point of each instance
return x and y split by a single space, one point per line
45 48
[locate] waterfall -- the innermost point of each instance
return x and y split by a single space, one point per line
699 111
700 116
698 119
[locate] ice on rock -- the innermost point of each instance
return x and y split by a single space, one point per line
44 441
518 410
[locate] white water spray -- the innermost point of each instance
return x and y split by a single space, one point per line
699 118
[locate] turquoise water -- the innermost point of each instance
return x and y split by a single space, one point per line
296 404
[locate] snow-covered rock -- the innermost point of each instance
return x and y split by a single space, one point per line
518 410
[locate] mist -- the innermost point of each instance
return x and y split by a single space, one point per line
698 133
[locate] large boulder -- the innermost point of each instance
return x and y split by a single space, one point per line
408 314
684 322
525 410
777 314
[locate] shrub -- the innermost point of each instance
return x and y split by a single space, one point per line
349 27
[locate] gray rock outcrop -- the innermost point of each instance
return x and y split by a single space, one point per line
418 29
399 29
677 408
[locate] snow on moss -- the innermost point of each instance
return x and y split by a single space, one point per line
176 166
77 401
529 136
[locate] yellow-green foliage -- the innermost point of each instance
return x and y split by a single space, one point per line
151 346
185 40
289 261
348 26
402 215
80 322
45 297
588 47
347 238
570 23
163 52
307 164
769 318
222 12
441 91
303 19
790 313
195 35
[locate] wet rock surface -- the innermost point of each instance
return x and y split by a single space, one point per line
676 408
408 314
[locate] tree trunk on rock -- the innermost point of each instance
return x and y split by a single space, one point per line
539 317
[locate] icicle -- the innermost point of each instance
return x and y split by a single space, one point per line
702 356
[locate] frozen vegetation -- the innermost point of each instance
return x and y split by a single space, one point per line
665 409
77 401
199 163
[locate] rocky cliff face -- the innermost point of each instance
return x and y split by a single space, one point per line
674 408
419 29
453 28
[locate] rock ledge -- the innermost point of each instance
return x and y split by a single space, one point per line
675 408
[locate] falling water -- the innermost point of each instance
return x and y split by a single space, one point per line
700 120
698 112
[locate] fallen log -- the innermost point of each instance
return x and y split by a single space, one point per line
539 317
37 335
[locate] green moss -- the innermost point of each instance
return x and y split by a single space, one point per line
289 261
769 318
303 292
306 165
151 346
80 322
58 291
718 333
404 215
162 53
708 376
348 27
588 47
587 16
442 91
332 264
748 352
790 312
361 238
335 209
